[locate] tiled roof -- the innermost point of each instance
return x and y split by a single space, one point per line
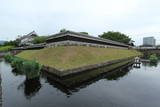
28 35
85 36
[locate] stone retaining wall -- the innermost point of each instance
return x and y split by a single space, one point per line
31 47
67 43
75 43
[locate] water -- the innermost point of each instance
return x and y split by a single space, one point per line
128 87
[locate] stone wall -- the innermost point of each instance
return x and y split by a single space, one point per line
75 43
67 43
31 47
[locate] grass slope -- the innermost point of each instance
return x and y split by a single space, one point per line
64 58
6 48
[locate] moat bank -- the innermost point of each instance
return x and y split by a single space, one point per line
64 60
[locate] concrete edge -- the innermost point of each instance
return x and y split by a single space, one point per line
63 73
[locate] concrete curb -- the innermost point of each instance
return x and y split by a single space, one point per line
62 73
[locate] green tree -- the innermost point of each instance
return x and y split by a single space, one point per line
86 33
153 58
40 39
12 43
63 30
116 36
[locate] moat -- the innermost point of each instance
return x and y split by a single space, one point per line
127 87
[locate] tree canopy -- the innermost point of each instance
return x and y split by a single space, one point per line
86 33
116 36
39 39
12 43
63 30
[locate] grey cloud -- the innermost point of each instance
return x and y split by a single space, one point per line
48 16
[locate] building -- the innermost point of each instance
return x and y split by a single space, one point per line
25 40
149 41
70 38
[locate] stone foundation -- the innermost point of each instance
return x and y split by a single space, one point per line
75 43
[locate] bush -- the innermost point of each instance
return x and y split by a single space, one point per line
8 58
153 58
31 66
17 63
41 39
23 66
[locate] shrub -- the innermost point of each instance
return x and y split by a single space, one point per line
17 63
29 68
8 58
153 58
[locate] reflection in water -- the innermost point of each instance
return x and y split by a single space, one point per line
117 74
123 87
30 87
150 64
67 85
70 85
29 75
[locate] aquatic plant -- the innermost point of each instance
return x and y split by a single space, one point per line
17 63
153 58
8 57
23 66
31 65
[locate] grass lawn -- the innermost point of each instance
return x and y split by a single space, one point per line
6 48
69 57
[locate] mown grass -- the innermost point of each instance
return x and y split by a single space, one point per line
70 57
6 48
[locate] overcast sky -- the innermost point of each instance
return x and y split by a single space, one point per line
136 18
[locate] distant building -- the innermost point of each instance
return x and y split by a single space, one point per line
25 40
149 41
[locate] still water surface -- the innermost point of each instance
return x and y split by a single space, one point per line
128 87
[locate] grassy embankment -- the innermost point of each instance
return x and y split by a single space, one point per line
70 57
6 48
